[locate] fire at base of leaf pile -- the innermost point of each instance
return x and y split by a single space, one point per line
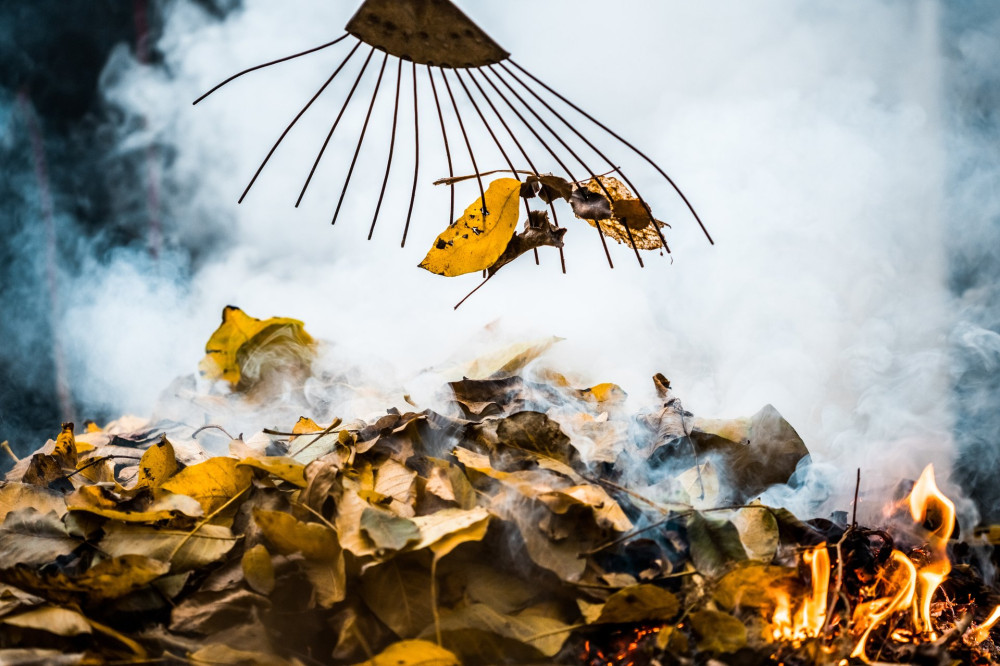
522 521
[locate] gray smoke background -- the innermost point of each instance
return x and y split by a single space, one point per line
843 155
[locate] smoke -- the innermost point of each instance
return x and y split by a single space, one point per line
812 138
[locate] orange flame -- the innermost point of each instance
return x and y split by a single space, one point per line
982 632
929 503
903 577
810 618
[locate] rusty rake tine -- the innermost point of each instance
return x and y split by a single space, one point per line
626 143
295 120
268 64
447 150
527 208
494 137
472 156
416 154
621 173
361 139
392 145
334 126
524 153
604 243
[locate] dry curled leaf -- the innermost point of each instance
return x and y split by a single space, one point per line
612 217
473 242
243 347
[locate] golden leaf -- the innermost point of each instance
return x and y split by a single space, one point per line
65 448
234 344
258 569
283 467
213 482
324 565
473 243
639 603
157 465
413 653
209 544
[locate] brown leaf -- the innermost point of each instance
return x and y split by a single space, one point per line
624 210
590 205
193 551
210 612
538 232
30 537
14 495
399 593
718 632
539 631
324 559
54 620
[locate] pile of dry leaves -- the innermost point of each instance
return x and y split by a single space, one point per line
529 522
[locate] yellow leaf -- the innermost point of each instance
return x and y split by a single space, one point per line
65 448
235 342
473 243
209 544
413 653
324 565
213 482
628 212
258 569
282 467
100 501
59 621
639 603
14 495
157 465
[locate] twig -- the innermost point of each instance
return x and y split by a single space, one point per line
5 445
854 514
631 493
554 632
474 290
208 427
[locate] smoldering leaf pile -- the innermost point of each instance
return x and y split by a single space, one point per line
499 531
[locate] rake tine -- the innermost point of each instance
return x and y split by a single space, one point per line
461 126
527 208
295 120
416 154
334 126
565 145
392 145
447 151
555 220
618 170
268 64
488 128
604 243
629 145
354 160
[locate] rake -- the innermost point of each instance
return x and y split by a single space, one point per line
439 41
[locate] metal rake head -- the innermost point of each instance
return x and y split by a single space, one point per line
435 36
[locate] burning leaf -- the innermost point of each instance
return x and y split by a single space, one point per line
473 243
753 585
413 653
230 352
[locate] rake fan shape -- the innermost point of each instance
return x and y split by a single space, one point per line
436 37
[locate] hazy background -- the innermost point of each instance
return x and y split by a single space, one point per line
843 155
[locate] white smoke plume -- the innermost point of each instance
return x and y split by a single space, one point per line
809 136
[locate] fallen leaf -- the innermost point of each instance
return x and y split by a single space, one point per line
753 585
30 537
54 620
639 603
473 243
258 569
718 632
758 530
286 469
231 349
193 550
413 653
157 465
212 483
318 544
543 633
387 530
14 495
715 544
399 593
